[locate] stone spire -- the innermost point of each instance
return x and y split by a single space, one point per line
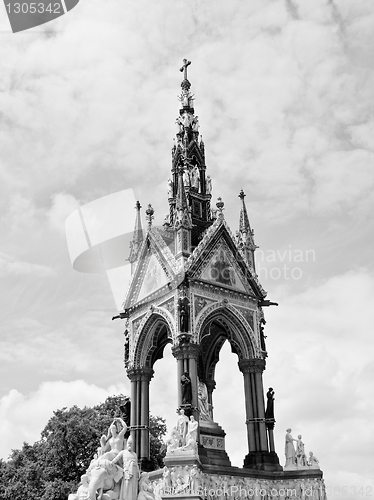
188 161
137 237
245 234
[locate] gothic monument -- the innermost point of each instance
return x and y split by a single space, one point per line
194 286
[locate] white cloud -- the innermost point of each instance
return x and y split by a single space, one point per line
23 417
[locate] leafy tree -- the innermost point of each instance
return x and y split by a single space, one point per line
51 468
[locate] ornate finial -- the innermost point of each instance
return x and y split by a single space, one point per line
241 195
138 206
184 68
185 84
220 205
149 215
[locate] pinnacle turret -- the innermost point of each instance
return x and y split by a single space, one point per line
137 238
188 165
245 233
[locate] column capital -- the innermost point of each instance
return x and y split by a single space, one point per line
253 365
140 373
186 351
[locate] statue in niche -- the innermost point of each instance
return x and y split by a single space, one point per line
269 413
196 178
195 124
186 178
166 479
191 436
208 185
290 449
205 408
312 460
186 389
183 316
195 479
129 485
180 125
261 325
300 452
182 424
170 188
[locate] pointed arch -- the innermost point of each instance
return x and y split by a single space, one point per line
155 332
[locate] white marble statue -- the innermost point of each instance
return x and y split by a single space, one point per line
208 185
196 178
204 405
313 461
170 188
82 491
129 485
182 424
300 452
172 443
290 449
191 436
186 178
115 441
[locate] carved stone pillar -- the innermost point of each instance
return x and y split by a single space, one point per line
140 379
259 456
187 355
210 385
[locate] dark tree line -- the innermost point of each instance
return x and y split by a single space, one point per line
51 468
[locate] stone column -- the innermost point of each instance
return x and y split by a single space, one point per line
145 377
133 375
210 385
187 354
245 366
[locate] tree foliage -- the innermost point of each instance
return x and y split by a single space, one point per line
51 468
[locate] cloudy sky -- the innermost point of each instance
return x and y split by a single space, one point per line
284 94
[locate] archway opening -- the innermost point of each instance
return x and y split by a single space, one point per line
163 396
229 404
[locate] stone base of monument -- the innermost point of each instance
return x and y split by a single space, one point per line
181 458
217 483
212 445
262 460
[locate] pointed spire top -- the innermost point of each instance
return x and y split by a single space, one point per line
137 237
244 226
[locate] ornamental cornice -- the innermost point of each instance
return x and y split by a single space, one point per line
253 365
139 374
183 351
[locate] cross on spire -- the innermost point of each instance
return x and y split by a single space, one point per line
184 67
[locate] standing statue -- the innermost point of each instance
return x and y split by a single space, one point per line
204 405
129 486
195 124
191 437
186 178
290 449
208 185
196 178
186 389
183 317
269 413
170 188
300 452
182 424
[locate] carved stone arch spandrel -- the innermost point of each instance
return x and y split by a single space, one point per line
238 327
155 331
